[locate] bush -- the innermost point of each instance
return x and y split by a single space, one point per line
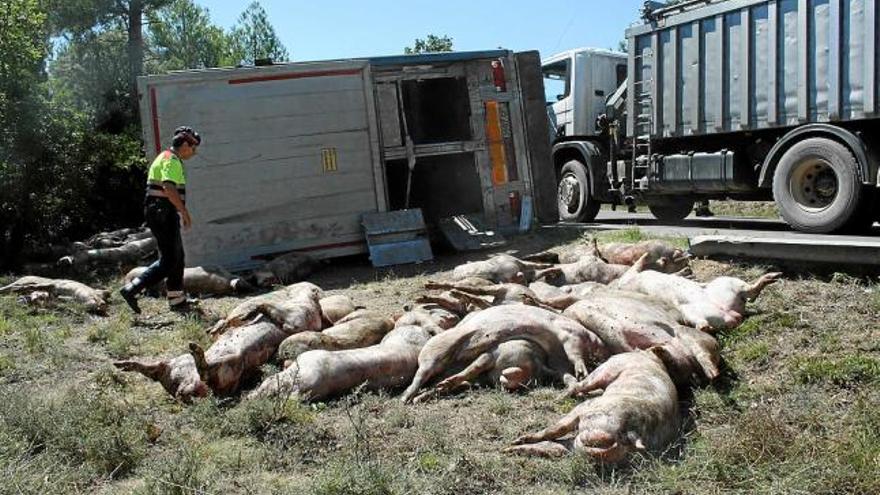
84 426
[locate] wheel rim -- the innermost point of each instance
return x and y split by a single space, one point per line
814 185
569 193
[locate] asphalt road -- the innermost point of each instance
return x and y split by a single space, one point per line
694 226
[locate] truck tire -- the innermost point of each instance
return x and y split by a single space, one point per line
817 188
576 203
671 209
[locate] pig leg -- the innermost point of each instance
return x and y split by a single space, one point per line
600 378
755 289
557 303
639 266
548 272
202 365
543 257
491 290
540 449
469 299
422 375
594 244
454 307
482 364
685 272
530 265
152 370
534 301
564 426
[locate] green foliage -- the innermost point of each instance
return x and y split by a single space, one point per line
431 44
182 37
87 427
344 479
754 352
843 372
633 235
253 37
180 471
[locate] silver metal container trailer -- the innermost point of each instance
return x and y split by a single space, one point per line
742 98
294 154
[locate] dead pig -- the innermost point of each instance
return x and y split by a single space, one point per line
501 268
335 308
663 257
627 321
201 280
178 376
637 411
567 343
716 305
362 328
295 307
319 374
513 365
500 293
285 269
95 300
589 269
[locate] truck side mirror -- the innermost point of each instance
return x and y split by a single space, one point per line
559 97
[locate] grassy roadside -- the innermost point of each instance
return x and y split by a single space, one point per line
796 410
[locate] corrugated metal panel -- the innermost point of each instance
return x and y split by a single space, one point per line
287 161
747 64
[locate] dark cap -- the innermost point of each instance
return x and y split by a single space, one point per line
186 134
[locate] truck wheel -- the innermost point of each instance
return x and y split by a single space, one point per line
816 186
576 204
671 209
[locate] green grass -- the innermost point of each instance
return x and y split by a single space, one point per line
754 352
795 412
762 324
634 235
844 372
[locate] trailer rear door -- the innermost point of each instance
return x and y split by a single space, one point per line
288 159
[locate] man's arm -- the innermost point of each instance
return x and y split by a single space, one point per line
172 195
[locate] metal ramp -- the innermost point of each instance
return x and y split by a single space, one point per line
397 237
469 233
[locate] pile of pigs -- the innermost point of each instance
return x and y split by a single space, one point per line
628 312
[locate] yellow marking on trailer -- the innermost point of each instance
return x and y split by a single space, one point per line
328 160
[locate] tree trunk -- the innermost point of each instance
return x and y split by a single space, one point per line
135 50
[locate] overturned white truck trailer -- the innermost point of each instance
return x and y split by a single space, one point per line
294 154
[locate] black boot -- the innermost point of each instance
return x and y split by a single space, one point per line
129 294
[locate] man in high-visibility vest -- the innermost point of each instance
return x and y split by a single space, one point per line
165 211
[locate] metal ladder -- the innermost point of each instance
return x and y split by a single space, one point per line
643 127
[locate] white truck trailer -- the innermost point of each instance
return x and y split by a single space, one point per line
294 154
715 99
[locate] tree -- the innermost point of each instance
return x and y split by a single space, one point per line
86 19
23 48
430 44
182 37
254 38
92 74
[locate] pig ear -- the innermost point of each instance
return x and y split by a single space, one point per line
636 441
661 353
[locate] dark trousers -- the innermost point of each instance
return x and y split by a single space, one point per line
164 223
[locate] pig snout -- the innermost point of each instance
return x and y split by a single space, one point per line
732 319
513 378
